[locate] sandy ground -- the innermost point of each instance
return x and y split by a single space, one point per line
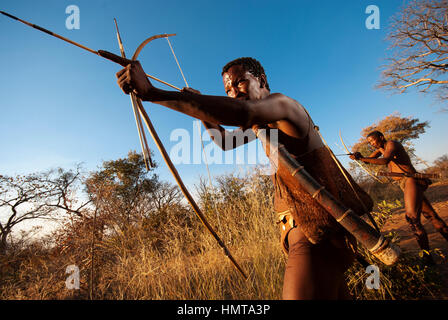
438 195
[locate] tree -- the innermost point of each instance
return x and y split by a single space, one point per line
394 127
419 46
37 196
118 189
164 195
440 166
125 193
442 163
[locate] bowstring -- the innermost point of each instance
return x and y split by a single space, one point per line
199 127
177 61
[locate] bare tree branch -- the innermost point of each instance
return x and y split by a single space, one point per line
419 45
37 195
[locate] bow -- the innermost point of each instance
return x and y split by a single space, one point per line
171 166
359 163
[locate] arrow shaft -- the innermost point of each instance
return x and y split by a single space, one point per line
51 33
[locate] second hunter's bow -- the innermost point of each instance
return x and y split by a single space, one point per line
333 156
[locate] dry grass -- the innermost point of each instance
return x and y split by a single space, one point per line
182 261
176 262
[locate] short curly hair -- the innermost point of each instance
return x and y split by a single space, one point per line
250 64
375 134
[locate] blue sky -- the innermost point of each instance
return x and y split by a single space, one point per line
60 105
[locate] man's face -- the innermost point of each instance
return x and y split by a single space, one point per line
375 142
241 84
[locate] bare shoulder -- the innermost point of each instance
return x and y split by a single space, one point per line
281 98
292 106
296 119
394 145
392 148
391 144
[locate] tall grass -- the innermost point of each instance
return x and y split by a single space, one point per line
408 279
171 256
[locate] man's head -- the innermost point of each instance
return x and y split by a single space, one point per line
244 78
376 139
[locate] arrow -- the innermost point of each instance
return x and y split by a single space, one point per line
138 120
100 53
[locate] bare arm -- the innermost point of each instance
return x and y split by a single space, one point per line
213 109
228 140
224 110
358 155
223 138
374 155
389 152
